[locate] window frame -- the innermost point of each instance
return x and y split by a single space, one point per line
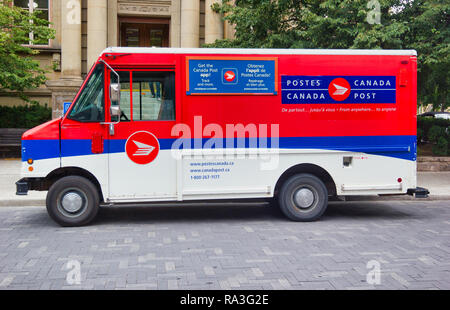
31 35
131 93
130 71
80 93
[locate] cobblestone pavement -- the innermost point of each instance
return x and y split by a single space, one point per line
231 246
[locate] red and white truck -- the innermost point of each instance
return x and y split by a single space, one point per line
172 125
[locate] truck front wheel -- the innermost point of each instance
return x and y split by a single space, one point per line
303 198
73 201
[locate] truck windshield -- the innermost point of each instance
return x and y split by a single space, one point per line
90 104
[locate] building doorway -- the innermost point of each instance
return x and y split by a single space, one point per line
144 32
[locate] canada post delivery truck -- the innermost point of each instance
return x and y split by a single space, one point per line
295 127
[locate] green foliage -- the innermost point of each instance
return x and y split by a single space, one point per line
19 71
425 123
435 133
28 116
420 135
430 36
441 148
415 24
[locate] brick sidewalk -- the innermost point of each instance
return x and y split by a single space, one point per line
230 247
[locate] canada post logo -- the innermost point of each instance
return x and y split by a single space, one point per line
229 76
338 89
142 147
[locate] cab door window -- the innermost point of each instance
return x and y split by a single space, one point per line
153 95
90 105
125 95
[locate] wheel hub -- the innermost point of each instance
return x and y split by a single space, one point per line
72 202
304 198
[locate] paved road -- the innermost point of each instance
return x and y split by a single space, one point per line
230 247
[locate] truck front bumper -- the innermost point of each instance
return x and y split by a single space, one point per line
31 184
22 187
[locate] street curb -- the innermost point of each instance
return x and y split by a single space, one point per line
22 203
397 198
41 202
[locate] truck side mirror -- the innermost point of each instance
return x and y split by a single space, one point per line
114 92
115 111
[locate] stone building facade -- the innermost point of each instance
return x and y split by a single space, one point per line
85 27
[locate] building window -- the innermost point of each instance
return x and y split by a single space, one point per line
144 32
41 6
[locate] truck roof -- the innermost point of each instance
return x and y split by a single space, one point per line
261 51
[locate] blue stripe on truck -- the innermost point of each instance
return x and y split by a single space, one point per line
403 147
39 149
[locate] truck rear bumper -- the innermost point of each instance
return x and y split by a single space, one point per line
418 192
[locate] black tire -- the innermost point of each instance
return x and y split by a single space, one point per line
65 197
303 198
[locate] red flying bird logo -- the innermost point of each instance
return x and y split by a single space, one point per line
229 76
339 89
142 147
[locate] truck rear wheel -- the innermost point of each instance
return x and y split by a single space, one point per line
303 198
73 201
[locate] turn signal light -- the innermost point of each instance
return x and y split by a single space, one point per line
30 161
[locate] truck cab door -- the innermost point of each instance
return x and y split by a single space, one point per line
141 166
83 132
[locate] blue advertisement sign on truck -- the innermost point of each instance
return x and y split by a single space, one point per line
231 76
302 89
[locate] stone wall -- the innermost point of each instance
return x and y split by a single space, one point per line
433 164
